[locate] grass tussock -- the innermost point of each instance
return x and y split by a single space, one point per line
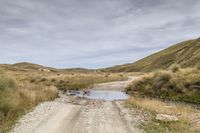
187 115
16 98
175 84
175 68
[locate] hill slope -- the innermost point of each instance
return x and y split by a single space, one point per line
185 54
26 66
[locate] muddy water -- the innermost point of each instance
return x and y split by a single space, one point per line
104 95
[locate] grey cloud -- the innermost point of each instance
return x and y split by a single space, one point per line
92 33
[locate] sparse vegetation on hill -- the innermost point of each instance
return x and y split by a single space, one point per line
185 54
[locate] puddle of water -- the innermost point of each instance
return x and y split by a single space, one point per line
104 95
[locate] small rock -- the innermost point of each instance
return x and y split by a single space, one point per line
166 118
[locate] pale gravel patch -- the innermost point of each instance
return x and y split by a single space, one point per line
32 120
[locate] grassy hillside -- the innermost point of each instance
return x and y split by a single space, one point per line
185 54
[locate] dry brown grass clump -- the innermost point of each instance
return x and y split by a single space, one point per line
175 68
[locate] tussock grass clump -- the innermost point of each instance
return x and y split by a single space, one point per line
175 68
184 85
6 82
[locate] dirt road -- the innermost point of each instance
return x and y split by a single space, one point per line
69 114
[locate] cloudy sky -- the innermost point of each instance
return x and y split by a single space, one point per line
93 33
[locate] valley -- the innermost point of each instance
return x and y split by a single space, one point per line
160 93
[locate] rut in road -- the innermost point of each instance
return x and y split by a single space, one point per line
99 117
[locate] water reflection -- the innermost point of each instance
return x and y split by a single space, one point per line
104 95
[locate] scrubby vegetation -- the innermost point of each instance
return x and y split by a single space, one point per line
86 81
175 84
76 81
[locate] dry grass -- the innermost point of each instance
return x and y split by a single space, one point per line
73 80
85 81
18 97
179 85
189 117
175 84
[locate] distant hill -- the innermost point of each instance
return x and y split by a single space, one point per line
31 66
78 70
26 66
186 54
